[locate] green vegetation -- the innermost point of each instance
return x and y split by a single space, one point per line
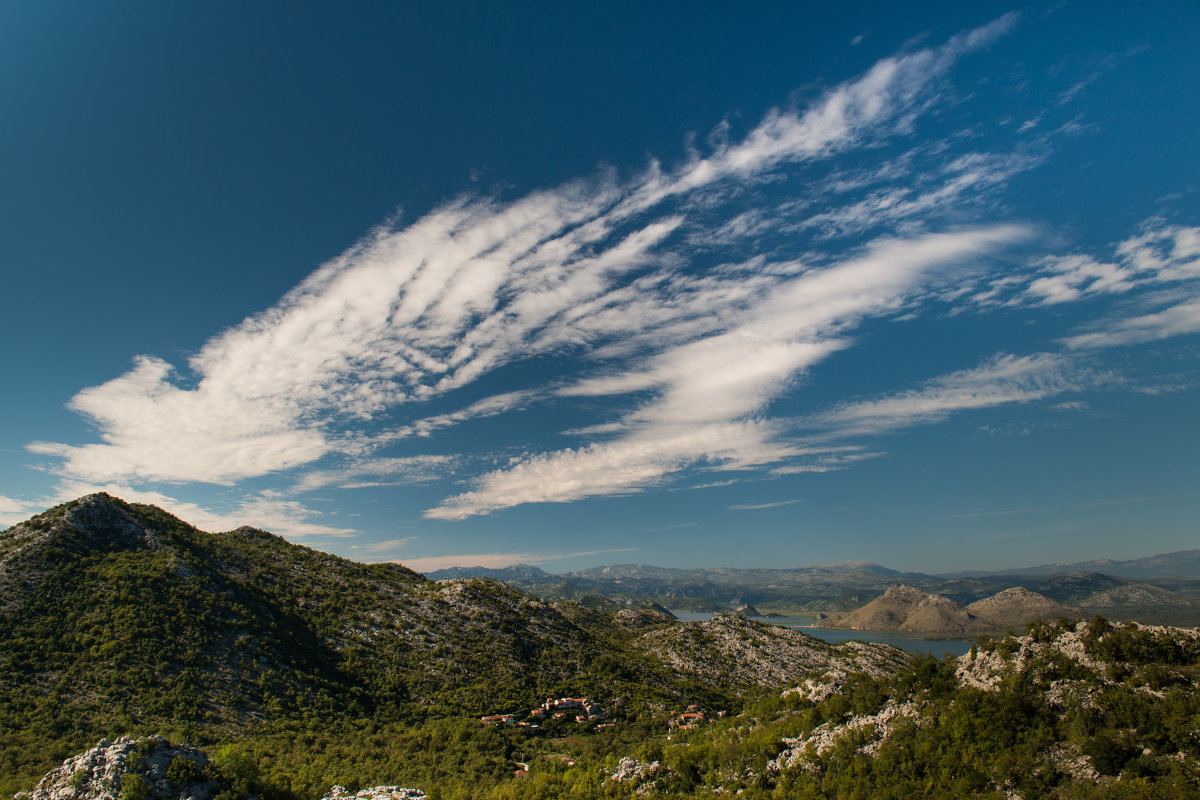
297 671
118 618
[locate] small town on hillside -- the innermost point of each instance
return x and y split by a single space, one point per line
582 709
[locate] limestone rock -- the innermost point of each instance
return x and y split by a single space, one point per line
102 772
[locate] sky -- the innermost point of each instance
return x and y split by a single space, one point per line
582 284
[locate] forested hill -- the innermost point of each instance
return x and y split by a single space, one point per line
119 618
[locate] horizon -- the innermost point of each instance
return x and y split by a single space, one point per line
449 285
702 568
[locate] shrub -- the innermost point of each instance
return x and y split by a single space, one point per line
134 787
183 771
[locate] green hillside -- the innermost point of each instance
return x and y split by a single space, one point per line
118 618
297 671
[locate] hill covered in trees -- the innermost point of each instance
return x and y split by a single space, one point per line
119 618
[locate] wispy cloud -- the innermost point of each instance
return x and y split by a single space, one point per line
379 549
1175 320
762 506
710 391
1004 379
409 470
595 268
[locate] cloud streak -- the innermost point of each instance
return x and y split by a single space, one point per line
1004 379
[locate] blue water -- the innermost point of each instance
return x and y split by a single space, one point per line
912 642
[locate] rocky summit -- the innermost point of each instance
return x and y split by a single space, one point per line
131 770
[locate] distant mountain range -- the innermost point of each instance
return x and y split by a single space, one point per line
1180 564
1160 589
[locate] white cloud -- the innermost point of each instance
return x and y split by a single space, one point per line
1175 320
1158 256
407 470
1005 379
1073 277
709 393
409 315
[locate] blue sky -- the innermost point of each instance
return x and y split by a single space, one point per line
576 285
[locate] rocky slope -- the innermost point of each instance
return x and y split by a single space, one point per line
729 650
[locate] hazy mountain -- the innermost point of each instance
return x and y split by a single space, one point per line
841 587
519 573
1180 564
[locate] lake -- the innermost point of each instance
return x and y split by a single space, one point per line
912 642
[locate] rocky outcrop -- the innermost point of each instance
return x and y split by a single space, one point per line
629 769
802 752
149 769
636 618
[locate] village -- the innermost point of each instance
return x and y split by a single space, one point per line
582 709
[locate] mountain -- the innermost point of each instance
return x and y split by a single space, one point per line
814 587
840 587
101 593
1180 564
886 612
1012 608
119 618
905 608
519 573
116 617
